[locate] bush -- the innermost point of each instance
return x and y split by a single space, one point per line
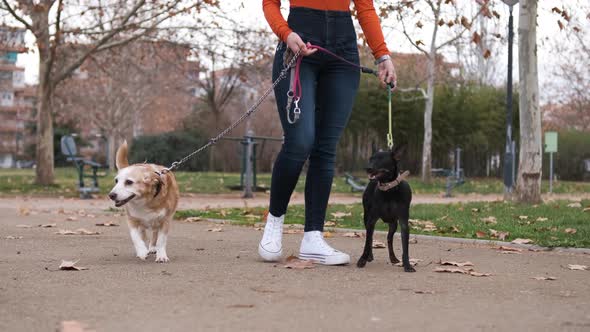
170 147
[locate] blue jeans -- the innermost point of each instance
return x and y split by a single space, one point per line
329 87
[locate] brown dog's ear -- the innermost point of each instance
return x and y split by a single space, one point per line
398 152
121 160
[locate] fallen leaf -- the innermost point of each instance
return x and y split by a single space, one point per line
216 229
413 262
192 219
352 234
425 225
499 234
293 231
541 219
292 262
475 210
241 306
107 224
24 226
330 224
72 218
71 266
91 216
378 244
47 225
413 240
339 215
459 264
504 248
544 278
328 235
72 326
223 213
575 205
418 291
84 231
571 230
450 270
65 232
522 241
480 234
24 211
490 220
12 237
479 274
577 267
523 217
586 209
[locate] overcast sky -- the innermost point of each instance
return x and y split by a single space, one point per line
250 12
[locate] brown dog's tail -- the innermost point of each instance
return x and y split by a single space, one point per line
121 160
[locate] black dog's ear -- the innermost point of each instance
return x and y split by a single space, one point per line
398 152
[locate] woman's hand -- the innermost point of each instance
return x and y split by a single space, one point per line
387 73
295 43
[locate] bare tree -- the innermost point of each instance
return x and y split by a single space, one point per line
528 188
437 14
101 25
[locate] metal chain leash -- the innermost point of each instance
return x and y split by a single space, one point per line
248 113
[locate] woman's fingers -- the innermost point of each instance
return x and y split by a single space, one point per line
296 44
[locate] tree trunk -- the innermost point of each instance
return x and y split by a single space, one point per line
112 148
45 161
427 143
528 188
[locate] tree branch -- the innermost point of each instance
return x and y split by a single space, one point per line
15 15
405 32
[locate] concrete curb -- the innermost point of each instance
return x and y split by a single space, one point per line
490 243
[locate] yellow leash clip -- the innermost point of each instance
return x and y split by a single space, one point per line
390 134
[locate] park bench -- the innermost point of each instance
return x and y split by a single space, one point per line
69 150
355 183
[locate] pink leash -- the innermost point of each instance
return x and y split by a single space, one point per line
295 91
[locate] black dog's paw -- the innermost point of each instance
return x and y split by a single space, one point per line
370 257
362 262
409 269
394 260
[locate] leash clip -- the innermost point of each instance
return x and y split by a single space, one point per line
296 112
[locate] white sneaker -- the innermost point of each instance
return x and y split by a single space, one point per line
270 247
315 248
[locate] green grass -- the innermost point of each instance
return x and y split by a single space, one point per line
15 182
448 218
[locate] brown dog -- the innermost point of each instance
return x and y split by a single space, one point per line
150 199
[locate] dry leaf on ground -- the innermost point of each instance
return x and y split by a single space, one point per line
216 229
47 225
24 226
523 217
84 231
24 211
12 237
223 213
65 232
418 291
478 274
72 326
575 205
413 262
352 234
505 248
293 231
328 235
522 241
425 225
339 215
499 234
107 224
480 234
72 218
577 267
586 209
330 224
571 230
544 278
292 262
541 219
451 270
459 264
71 266
378 244
475 210
413 240
490 220
192 219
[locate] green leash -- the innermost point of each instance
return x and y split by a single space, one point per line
390 134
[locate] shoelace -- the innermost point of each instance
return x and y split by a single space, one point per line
322 243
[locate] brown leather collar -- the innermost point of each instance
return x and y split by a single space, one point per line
389 185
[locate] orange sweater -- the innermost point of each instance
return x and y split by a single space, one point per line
365 12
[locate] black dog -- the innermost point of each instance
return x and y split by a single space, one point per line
388 197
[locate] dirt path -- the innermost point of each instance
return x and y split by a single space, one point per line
216 282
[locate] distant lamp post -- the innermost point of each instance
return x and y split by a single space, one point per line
509 156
